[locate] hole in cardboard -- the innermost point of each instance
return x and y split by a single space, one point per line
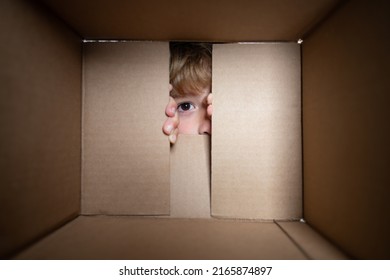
190 84
190 78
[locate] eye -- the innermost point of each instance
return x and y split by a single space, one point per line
185 106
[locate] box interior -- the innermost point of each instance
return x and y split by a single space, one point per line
55 187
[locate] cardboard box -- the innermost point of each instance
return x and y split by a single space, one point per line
297 164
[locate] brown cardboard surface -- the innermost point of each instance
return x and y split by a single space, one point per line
311 242
199 20
256 140
103 237
346 66
40 113
125 153
190 177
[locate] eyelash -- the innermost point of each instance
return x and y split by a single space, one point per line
180 107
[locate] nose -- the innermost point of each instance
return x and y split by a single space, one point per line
205 127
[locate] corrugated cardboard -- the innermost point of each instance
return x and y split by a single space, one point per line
190 177
346 128
40 111
125 154
256 140
147 238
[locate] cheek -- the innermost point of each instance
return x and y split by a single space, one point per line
187 125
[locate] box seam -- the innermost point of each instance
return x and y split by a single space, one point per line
333 10
302 135
82 127
295 243
44 235
331 241
49 10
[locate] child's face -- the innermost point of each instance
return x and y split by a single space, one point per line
192 111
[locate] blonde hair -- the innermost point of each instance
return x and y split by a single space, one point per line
190 68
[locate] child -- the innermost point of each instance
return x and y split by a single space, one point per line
190 103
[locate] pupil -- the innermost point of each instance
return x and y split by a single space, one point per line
185 106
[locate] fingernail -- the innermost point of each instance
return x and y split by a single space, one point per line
173 110
172 138
169 128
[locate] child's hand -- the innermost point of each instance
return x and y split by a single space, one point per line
170 126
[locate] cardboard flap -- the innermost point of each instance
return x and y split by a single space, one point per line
190 177
125 154
256 140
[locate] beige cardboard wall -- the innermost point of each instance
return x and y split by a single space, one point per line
40 114
195 20
346 97
125 154
190 177
256 140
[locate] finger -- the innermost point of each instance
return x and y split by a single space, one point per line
170 110
167 127
210 110
210 99
170 88
173 136
171 124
